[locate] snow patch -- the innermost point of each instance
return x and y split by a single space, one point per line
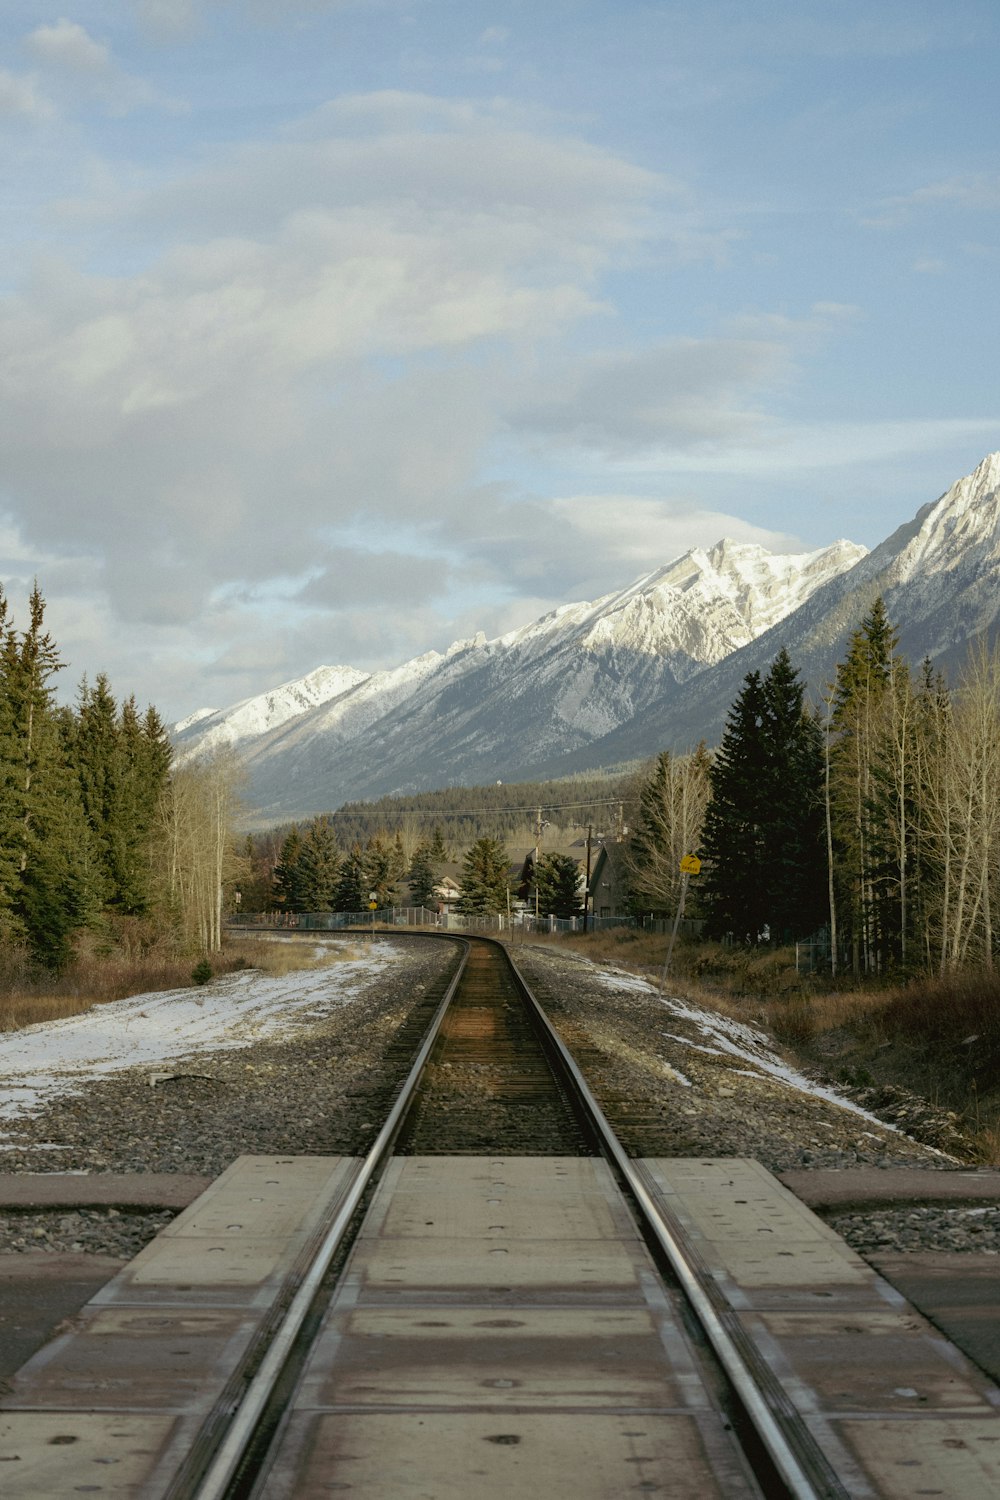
40 1063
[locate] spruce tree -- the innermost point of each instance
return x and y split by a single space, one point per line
353 886
287 872
762 841
484 879
557 880
381 866
318 868
423 878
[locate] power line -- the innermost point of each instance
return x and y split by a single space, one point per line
476 812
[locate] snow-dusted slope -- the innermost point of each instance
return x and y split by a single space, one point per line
647 667
210 728
486 708
939 575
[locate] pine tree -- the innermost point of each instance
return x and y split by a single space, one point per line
381 866
287 872
423 878
353 886
733 839
763 827
558 884
484 880
863 680
318 868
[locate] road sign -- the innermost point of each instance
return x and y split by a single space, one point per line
372 905
690 864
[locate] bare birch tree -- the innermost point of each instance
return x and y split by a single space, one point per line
198 810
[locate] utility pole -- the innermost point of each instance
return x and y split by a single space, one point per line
539 825
586 888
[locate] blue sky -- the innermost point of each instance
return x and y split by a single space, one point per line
334 330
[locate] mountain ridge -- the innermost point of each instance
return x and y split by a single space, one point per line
650 666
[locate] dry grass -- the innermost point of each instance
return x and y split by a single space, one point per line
89 982
289 956
29 995
938 1038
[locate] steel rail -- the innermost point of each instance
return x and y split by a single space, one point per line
229 1453
769 1429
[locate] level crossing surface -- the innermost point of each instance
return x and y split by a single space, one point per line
498 1328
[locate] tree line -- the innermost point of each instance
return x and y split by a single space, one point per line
312 873
98 833
873 818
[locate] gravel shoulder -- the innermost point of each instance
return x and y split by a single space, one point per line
676 1080
314 1092
679 1080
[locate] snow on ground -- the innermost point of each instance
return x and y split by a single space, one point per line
721 1035
58 1057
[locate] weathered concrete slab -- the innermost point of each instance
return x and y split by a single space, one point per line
500 1330
38 1292
955 1458
114 1359
113 1405
603 1358
243 1234
132 1190
497 1455
960 1294
749 1229
857 1361
868 1187
45 1456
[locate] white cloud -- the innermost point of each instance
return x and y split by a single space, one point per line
21 97
84 66
972 192
811 446
169 20
679 394
340 350
67 45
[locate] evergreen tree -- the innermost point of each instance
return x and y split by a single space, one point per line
558 881
484 879
763 827
287 872
733 840
423 878
381 866
318 868
439 853
863 680
353 886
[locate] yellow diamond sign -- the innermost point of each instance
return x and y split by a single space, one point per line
690 864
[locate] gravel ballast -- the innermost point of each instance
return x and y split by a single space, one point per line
674 1080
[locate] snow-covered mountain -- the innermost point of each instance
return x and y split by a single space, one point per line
652 666
552 687
211 729
939 575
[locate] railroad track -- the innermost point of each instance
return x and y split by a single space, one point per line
465 1242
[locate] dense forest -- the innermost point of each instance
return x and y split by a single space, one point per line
98 835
